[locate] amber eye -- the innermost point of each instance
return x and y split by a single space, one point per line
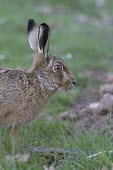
58 68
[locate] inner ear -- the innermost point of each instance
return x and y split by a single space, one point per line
43 36
50 61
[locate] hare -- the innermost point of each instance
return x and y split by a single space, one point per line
24 92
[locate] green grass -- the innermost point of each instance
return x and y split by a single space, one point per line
91 47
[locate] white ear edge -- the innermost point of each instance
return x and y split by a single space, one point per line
39 50
51 62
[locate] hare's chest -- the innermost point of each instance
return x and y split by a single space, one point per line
34 103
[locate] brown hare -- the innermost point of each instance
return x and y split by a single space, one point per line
23 93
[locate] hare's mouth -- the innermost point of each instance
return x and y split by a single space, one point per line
66 86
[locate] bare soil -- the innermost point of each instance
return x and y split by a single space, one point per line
94 109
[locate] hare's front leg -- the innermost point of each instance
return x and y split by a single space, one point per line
15 138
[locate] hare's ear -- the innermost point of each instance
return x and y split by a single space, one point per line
43 36
33 30
38 36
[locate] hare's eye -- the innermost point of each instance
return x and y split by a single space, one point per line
58 68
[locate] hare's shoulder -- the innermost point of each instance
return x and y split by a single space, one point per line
17 79
4 71
12 73
15 85
13 76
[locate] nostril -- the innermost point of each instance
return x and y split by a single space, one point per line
74 83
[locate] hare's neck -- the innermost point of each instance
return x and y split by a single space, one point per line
45 91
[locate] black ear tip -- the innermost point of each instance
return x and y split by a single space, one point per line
45 26
30 20
31 24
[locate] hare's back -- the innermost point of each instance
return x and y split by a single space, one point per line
11 88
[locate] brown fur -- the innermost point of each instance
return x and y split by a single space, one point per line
23 96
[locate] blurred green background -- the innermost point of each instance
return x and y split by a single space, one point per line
82 35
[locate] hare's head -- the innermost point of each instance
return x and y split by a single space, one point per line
50 70
54 73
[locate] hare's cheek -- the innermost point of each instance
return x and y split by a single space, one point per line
65 77
66 86
59 79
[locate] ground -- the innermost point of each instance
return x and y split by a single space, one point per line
82 35
94 109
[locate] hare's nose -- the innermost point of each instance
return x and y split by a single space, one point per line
73 83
